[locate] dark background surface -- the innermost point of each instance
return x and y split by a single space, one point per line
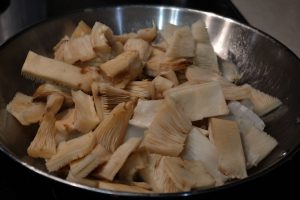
16 182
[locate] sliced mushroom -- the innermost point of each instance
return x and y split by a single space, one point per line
181 44
226 137
136 161
86 117
121 187
229 71
110 135
83 181
84 166
234 92
198 147
139 45
102 38
46 89
76 49
205 57
145 112
201 75
170 126
25 110
199 32
117 159
142 89
171 76
46 69
81 29
263 103
44 145
160 86
257 144
199 101
123 68
71 150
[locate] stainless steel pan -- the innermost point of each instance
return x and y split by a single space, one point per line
265 63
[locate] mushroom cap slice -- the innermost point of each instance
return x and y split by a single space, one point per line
205 57
81 29
86 117
198 147
111 131
170 126
181 44
25 110
199 101
199 32
145 112
139 45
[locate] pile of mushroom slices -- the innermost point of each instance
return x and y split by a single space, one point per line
149 111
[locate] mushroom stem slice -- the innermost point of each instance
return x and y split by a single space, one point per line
234 92
227 139
47 69
199 32
82 181
139 45
206 57
65 124
71 150
118 158
25 110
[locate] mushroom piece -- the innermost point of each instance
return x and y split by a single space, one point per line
47 69
155 175
145 112
111 97
234 92
44 145
170 126
121 187
25 110
84 166
147 34
199 32
81 29
171 76
199 101
262 102
123 68
205 57
142 89
226 137
82 181
139 45
257 144
159 62
196 74
160 86
198 147
71 150
136 161
102 38
229 71
181 44
76 49
241 112
110 135
117 159
86 117
168 31
46 89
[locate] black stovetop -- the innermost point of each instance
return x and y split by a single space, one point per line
16 182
